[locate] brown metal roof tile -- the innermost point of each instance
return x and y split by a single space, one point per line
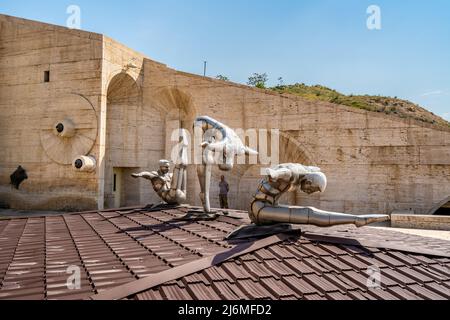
332 249
416 275
318 265
265 254
356 277
425 293
278 288
423 259
343 282
382 294
403 294
215 273
299 267
281 252
254 290
174 292
299 285
279 268
237 272
229 291
259 270
313 297
354 262
150 295
431 272
360 295
199 291
404 257
439 289
389 260
196 278
338 296
337 264
322 284
439 269
398 277
315 249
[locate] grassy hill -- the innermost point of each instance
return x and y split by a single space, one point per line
388 105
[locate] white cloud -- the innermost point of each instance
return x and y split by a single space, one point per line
432 93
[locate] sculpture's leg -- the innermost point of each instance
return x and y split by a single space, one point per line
264 213
204 177
179 178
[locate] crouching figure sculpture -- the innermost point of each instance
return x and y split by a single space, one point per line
170 187
266 210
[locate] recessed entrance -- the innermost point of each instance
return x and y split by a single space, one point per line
444 210
125 190
122 143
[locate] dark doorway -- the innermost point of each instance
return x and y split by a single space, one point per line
444 210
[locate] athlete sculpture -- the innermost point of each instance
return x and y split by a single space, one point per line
170 187
284 178
218 139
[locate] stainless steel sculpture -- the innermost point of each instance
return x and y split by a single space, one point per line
218 139
170 187
284 178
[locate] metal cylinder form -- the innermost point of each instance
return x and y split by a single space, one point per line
65 128
84 164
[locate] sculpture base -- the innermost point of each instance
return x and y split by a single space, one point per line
255 231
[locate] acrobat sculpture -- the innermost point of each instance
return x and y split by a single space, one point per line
170 187
289 177
219 139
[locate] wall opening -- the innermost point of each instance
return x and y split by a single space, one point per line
444 210
46 76
122 142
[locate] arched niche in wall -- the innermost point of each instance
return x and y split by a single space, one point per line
442 208
123 141
178 110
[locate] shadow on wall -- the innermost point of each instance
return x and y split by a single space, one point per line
14 200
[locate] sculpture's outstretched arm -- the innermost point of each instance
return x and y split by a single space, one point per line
145 175
263 213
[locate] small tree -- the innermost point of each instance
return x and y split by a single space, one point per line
223 78
280 82
258 80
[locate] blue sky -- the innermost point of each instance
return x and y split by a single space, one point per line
322 42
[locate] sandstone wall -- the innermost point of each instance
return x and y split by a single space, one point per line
29 107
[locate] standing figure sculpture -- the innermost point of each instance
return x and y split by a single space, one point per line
218 139
170 187
266 210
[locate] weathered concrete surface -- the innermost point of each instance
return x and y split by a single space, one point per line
436 234
409 221
375 163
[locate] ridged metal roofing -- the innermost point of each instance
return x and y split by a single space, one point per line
153 254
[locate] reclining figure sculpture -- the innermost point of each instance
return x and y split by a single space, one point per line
289 177
170 187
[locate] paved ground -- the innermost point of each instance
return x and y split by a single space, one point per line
443 235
